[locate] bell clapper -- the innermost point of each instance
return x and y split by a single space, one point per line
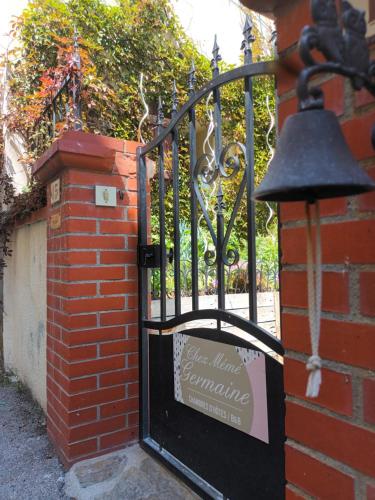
314 290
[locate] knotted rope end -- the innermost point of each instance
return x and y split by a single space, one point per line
314 365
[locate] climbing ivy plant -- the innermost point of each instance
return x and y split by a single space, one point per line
116 44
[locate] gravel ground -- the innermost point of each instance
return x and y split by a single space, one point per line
29 467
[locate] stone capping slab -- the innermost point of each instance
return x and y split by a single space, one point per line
37 216
76 150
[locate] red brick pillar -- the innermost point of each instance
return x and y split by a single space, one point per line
92 329
330 450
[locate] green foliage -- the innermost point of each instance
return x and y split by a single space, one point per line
234 130
118 43
236 276
267 251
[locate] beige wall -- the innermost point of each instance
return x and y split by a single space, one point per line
25 308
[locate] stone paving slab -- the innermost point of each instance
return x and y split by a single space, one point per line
129 474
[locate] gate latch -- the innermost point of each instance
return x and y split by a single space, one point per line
149 256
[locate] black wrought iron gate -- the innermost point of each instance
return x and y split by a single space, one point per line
212 400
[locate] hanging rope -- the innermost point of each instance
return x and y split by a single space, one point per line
314 290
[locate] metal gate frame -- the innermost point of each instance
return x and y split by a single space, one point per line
220 238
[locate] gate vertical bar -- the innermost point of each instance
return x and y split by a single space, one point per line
163 286
53 118
143 295
249 118
176 206
76 84
60 106
220 207
220 204
193 200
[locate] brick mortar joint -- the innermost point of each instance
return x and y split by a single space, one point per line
336 366
319 80
97 405
76 267
299 492
357 376
75 362
82 377
329 413
361 111
357 398
102 419
282 54
354 293
83 218
70 298
79 186
337 268
350 216
327 460
334 316
99 436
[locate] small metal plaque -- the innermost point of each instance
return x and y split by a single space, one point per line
55 190
105 196
55 222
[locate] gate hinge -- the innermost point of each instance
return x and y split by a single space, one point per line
149 256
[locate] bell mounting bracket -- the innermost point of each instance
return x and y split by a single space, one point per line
342 41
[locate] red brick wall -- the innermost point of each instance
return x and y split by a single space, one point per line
92 302
330 450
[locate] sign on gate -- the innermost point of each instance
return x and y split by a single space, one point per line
225 382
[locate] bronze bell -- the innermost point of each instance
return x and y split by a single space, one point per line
312 161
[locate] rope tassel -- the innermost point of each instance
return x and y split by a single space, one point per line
314 290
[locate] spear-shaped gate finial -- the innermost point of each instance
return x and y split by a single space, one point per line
76 56
248 40
192 80
216 58
174 98
160 113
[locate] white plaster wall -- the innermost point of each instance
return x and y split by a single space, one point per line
25 308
